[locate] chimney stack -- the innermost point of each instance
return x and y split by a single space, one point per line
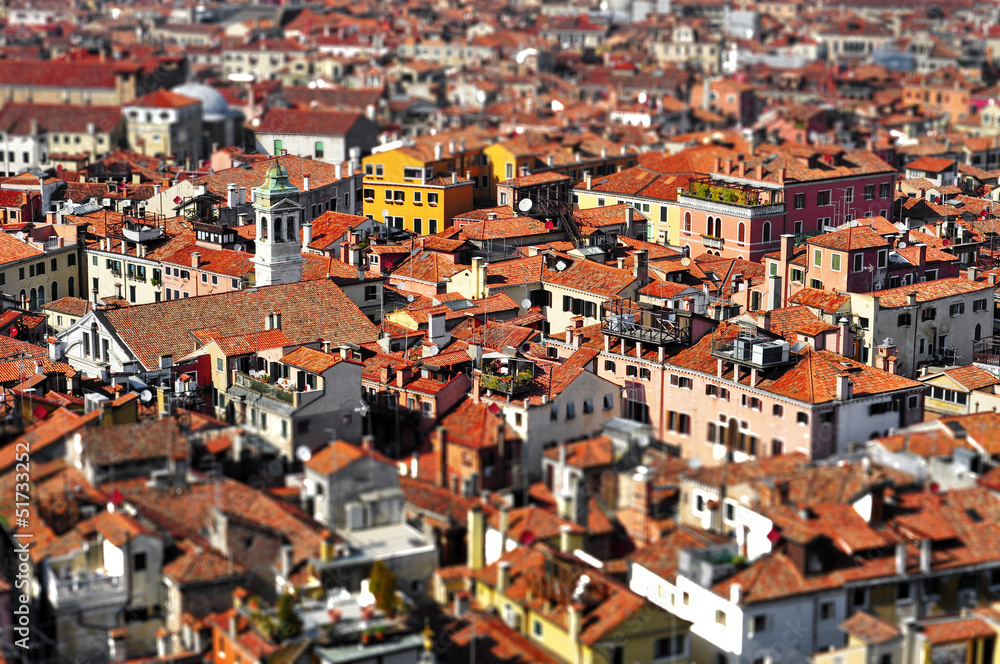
307 235
195 259
305 182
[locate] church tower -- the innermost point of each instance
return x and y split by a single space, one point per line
278 255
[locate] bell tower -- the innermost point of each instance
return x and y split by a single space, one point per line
278 258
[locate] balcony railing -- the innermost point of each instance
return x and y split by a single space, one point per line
267 389
626 319
86 588
712 242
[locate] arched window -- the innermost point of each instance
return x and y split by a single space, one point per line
741 234
765 231
71 287
718 227
277 229
687 253
41 296
22 297
290 234
687 222
710 225
979 331
55 290
33 299
263 227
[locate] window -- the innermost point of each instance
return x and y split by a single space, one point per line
979 305
835 262
823 197
536 625
609 366
928 314
277 147
369 195
432 198
957 309
827 611
220 364
679 422
20 272
759 623
570 411
554 413
418 225
800 201
741 233
720 617
903 320
797 275
778 410
671 646
204 277
818 257
645 374
681 382
802 418
883 190
388 195
318 149
609 401
139 562
858 597
588 406
858 262
687 222
869 192
932 587
912 401
399 197
849 194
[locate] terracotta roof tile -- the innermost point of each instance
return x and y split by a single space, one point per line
870 629
131 443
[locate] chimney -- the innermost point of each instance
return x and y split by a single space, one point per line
451 146
921 254
640 268
566 538
368 443
735 593
307 234
765 321
972 273
438 152
503 575
162 643
439 445
504 519
231 195
992 278
476 375
243 195
845 387
39 367
575 611
53 343
305 182
477 538
845 339
911 299
629 219
588 181
925 556
195 256
900 558
116 644
232 625
286 561
454 177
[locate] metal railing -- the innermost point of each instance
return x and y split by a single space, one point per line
624 318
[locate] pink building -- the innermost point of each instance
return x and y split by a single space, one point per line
740 391
199 270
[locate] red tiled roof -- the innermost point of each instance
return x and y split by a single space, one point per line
870 629
311 122
929 291
196 565
930 164
829 302
850 238
310 310
339 455
311 360
131 443
957 630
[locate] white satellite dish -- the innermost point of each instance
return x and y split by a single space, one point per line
242 78
303 453
901 245
385 213
237 247
561 265
19 235
526 303
409 298
685 261
524 204
643 97
145 396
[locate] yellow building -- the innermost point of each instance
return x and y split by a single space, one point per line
408 191
952 391
576 158
649 192
573 611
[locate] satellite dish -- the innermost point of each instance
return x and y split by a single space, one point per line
409 298
685 261
901 245
561 265
19 235
237 247
643 96
524 204
385 213
526 303
303 453
145 396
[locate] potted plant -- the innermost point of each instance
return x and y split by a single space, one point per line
366 637
379 634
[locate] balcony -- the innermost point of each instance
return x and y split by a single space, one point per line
736 200
267 389
752 348
712 242
709 565
627 320
89 589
